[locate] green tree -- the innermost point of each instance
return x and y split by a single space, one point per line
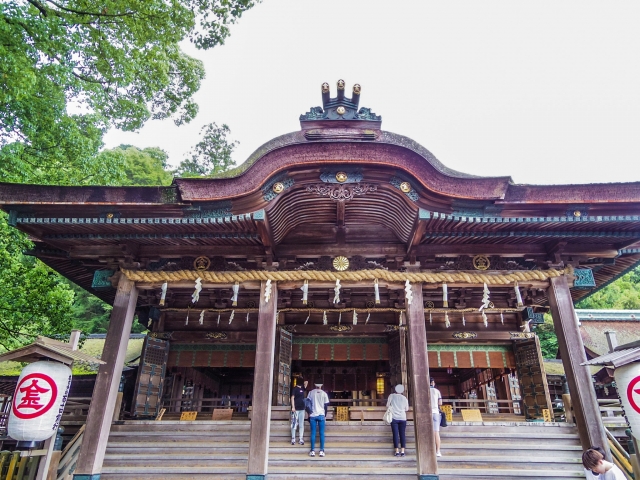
623 294
211 155
34 300
547 336
146 166
114 62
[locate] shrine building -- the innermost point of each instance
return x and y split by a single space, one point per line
341 254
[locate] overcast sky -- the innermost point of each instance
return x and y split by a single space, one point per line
544 92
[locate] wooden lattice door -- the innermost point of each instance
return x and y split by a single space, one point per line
533 380
150 381
283 373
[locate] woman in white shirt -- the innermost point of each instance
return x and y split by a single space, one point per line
399 407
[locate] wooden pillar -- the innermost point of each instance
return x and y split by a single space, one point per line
419 381
583 395
403 362
263 386
105 390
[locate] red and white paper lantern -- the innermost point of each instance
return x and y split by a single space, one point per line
39 400
628 383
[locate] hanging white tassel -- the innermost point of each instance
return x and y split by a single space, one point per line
247 317
234 298
485 298
464 322
324 317
340 318
518 296
501 318
186 322
267 291
368 317
308 317
445 301
201 319
485 319
196 294
355 317
430 319
336 290
376 289
305 291
164 293
233 312
408 294
447 323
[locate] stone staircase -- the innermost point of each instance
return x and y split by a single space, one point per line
355 451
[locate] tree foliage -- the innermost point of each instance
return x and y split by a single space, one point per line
547 336
34 300
211 155
146 166
113 62
623 294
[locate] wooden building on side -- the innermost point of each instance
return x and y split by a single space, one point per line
341 254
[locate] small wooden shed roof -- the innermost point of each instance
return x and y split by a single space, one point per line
47 348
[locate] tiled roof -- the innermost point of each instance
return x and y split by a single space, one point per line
594 339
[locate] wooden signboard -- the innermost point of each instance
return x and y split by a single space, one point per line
471 415
222 414
189 416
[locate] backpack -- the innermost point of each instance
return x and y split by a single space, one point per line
308 405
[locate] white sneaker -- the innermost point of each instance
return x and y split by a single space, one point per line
321 453
312 453
438 454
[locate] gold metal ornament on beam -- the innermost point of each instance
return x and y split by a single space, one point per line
341 110
341 263
202 263
481 262
342 177
405 187
278 187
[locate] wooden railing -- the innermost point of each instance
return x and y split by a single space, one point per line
69 456
206 405
504 406
620 456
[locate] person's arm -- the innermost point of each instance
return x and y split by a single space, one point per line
389 401
326 404
293 405
439 399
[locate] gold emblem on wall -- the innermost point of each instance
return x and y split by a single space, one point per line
481 262
405 187
341 263
278 187
464 335
341 177
202 263
216 335
340 328
340 110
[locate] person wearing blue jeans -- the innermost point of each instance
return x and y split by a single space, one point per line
399 407
317 417
297 410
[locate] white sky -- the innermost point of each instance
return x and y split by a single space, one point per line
544 92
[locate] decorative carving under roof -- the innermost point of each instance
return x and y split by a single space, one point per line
340 107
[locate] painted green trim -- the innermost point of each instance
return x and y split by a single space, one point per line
568 219
216 347
228 219
338 340
468 348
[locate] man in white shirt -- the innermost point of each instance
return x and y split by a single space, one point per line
594 461
317 417
436 402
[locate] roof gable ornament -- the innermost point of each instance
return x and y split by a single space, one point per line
340 108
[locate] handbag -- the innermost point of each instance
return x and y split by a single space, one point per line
443 418
387 418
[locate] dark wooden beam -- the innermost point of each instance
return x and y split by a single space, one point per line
264 230
583 396
262 391
417 231
105 391
419 378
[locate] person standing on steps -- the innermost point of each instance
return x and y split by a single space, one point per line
297 410
317 417
399 408
436 403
